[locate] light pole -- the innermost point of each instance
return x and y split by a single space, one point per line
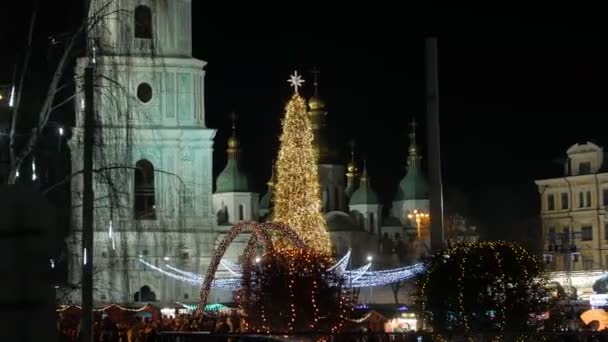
418 216
371 287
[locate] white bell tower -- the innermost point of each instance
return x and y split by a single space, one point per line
153 152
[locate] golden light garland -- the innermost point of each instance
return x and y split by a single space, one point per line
297 198
261 231
303 269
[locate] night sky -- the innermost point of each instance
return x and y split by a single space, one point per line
511 101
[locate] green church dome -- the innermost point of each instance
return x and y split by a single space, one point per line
413 186
365 194
233 179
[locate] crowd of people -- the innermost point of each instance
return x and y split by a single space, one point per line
137 329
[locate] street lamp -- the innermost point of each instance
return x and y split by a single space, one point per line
418 216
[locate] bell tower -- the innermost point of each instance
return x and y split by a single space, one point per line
144 27
153 152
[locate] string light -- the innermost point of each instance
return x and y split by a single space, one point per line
359 277
11 100
227 283
111 235
259 230
34 170
507 286
297 199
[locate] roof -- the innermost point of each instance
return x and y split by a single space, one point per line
338 221
413 186
232 179
364 195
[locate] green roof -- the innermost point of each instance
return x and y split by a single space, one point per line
413 186
232 179
364 195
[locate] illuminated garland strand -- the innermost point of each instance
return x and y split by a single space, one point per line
227 283
342 263
356 278
503 316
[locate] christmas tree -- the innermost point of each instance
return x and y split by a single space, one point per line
297 200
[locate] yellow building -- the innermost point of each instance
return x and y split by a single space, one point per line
573 212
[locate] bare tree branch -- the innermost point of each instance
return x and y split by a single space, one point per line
47 106
19 91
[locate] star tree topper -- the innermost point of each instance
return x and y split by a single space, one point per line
295 80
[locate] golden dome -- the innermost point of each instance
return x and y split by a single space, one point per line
351 167
233 143
316 103
413 149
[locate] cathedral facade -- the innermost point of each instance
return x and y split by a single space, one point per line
155 203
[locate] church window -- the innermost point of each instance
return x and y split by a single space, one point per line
144 92
588 203
145 202
241 212
143 22
605 196
372 227
581 201
145 294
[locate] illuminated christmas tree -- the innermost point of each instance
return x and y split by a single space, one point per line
297 200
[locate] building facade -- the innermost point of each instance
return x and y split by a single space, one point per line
573 212
153 153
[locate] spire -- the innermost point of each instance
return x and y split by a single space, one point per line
414 185
233 178
317 115
316 72
413 157
364 194
233 142
364 176
266 200
272 178
351 171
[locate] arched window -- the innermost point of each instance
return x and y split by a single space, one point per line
145 294
145 202
143 22
241 212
